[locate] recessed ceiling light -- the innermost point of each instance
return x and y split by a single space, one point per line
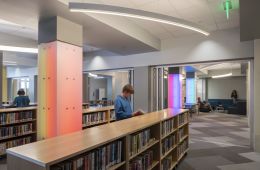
134 13
18 49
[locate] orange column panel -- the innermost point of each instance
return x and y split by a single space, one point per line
69 88
60 89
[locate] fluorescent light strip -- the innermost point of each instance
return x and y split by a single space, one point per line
88 8
18 49
223 75
9 62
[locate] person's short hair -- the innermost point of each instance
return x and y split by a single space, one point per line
21 92
128 89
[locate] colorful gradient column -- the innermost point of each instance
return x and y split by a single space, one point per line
174 88
60 89
59 78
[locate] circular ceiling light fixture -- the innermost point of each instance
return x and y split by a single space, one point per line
134 13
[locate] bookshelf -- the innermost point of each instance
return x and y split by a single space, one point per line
95 116
122 145
17 127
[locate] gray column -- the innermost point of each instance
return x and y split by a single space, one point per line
142 88
1 79
257 95
250 101
31 89
85 88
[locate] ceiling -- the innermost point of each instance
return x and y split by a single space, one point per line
209 69
207 13
219 66
21 18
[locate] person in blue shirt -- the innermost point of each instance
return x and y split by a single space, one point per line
123 108
21 100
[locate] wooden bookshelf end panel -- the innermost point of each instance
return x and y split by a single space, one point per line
16 163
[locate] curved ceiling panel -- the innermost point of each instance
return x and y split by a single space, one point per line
135 13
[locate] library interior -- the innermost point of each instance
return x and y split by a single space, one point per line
129 84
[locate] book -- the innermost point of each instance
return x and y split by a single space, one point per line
13 131
139 141
167 127
16 117
142 162
168 143
183 118
99 159
167 163
93 118
182 147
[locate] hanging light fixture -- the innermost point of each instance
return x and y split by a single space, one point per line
134 13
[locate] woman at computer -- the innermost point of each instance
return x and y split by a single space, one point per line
21 100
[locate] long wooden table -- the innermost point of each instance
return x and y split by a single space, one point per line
42 155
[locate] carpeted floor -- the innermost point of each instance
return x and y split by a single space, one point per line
217 142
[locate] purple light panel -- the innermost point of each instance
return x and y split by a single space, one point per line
174 91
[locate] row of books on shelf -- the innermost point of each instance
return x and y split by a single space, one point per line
8 118
167 162
12 131
14 143
168 126
183 118
99 159
182 133
140 141
142 162
182 147
168 143
89 119
112 115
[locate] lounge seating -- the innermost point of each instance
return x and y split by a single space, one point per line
239 108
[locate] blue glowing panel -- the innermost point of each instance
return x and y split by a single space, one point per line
190 90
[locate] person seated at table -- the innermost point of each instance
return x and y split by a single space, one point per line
204 106
123 107
21 100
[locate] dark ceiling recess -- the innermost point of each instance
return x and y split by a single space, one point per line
249 20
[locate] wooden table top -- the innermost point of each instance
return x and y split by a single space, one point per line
97 109
17 109
50 151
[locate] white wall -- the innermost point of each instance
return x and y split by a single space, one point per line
95 84
222 88
109 88
220 45
120 79
13 72
12 40
16 72
201 89
22 59
142 88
